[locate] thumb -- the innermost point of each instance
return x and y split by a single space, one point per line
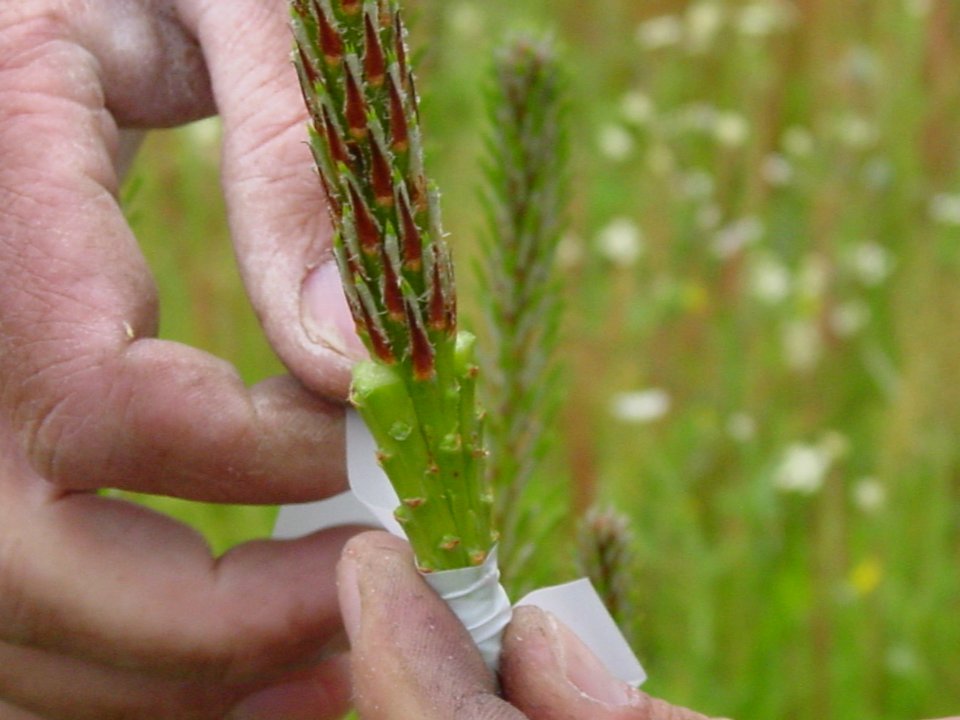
549 673
411 657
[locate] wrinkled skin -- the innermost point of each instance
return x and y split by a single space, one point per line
546 672
107 610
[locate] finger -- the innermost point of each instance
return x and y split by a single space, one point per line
94 400
550 674
61 688
106 581
9 712
411 657
278 219
317 694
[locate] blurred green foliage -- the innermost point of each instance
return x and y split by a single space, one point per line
761 338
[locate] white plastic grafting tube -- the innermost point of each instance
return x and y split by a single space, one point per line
474 594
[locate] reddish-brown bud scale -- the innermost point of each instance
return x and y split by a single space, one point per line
356 267
374 62
399 132
333 201
438 304
330 41
398 44
381 178
418 193
392 294
309 71
410 237
421 351
367 230
451 314
338 151
412 92
379 342
350 7
355 109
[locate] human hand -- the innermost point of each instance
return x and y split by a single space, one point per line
412 658
107 610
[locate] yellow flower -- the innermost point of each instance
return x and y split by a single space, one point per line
866 576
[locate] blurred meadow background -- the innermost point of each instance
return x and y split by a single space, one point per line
760 341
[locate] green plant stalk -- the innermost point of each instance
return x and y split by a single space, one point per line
525 194
416 393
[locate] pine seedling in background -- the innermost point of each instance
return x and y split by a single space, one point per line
525 197
417 392
605 555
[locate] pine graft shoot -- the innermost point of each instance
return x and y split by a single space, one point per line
417 391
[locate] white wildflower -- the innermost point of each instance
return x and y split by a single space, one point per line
637 107
660 32
614 142
856 132
697 184
918 8
709 216
660 159
878 173
465 18
770 280
730 240
777 170
763 18
902 660
869 495
640 406
849 318
731 129
802 345
803 468
620 242
798 141
699 116
569 251
861 65
741 427
813 277
870 262
704 20
945 209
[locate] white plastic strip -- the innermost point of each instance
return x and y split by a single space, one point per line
476 597
474 594
581 609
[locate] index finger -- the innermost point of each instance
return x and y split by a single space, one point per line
94 399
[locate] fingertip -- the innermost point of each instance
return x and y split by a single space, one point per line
545 665
409 651
365 559
325 315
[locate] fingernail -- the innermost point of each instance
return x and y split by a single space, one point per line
584 671
325 314
348 587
